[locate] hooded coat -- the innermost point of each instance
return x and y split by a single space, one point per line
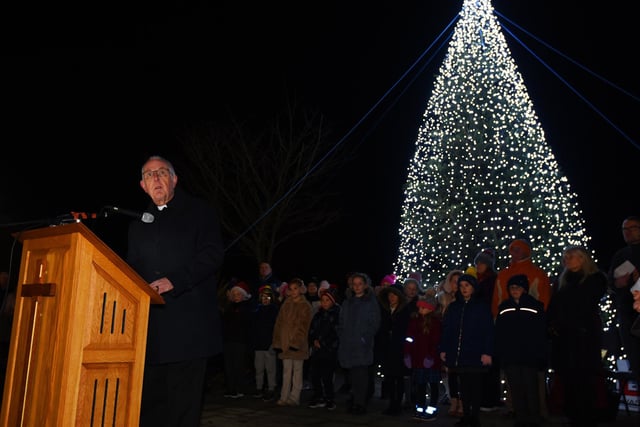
392 332
359 322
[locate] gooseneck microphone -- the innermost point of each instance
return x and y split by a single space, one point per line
143 216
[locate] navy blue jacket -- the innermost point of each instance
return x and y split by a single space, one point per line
472 321
264 319
521 333
237 320
324 327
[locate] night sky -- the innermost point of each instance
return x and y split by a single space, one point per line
88 94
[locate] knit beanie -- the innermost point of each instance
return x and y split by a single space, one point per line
519 280
389 279
427 302
330 292
470 275
486 256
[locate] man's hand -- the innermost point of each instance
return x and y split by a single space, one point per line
161 285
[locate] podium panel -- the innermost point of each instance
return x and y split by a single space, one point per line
79 332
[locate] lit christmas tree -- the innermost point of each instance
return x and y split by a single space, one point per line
482 173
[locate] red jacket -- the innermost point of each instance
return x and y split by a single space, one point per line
421 345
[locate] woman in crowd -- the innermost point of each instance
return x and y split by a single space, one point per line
576 334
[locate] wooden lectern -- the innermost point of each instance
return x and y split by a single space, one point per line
79 333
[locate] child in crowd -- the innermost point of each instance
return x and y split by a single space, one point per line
323 337
446 295
236 323
290 341
422 356
389 345
521 345
264 320
359 321
312 294
388 280
466 344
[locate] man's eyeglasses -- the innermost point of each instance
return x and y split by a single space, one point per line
160 173
631 227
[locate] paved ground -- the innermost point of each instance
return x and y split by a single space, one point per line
249 411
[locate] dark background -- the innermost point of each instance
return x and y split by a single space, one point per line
88 92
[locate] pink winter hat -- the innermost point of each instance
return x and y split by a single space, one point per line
389 279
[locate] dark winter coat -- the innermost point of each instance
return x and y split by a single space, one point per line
392 332
470 322
263 322
324 328
486 285
359 322
575 325
521 333
184 244
236 322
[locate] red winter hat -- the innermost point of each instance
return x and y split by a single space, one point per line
243 288
330 291
429 302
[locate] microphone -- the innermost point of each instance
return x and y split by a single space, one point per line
145 217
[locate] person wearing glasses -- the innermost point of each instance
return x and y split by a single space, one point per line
179 255
624 272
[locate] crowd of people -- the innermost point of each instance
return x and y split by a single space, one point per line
478 340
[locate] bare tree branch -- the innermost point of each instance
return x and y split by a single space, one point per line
268 182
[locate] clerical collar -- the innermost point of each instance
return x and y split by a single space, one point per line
161 207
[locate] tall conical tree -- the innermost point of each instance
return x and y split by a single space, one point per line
482 173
